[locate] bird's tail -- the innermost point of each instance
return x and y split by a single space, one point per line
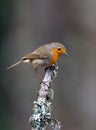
17 63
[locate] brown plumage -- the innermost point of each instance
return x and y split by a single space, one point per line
43 56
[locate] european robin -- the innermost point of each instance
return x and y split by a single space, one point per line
44 56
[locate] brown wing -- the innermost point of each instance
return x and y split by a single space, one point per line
35 55
42 52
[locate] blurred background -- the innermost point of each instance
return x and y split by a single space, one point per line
26 24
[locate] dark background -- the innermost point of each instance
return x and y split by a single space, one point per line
26 24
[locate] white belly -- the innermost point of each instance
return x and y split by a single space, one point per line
37 63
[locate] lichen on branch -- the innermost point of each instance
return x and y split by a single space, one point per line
41 117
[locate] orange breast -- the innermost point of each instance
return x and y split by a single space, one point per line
55 56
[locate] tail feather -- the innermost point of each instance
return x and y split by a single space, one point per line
17 63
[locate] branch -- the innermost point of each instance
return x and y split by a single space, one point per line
41 117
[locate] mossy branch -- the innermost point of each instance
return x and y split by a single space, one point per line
41 116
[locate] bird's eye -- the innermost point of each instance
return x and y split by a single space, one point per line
59 49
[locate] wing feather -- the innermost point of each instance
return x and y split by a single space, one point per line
35 55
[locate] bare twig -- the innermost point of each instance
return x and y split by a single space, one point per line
41 117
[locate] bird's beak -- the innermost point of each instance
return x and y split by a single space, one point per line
66 54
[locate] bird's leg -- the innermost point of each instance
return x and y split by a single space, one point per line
39 75
45 82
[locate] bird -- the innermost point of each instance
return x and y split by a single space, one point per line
44 56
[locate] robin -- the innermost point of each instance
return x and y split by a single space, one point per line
44 56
